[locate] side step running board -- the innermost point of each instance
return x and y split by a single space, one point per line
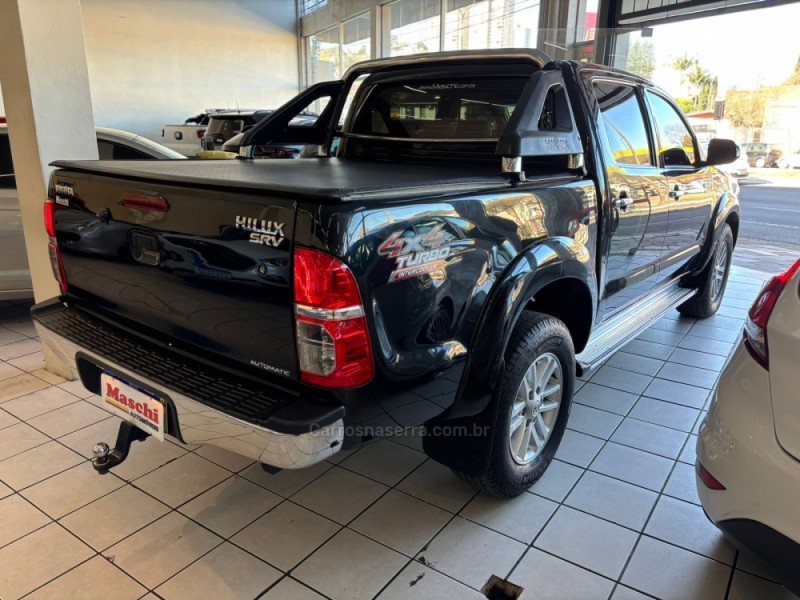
628 323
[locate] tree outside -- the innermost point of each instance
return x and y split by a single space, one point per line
702 84
641 59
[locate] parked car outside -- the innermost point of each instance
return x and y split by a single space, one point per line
790 160
748 451
15 276
762 155
740 167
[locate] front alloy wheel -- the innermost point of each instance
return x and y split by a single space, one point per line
713 279
720 273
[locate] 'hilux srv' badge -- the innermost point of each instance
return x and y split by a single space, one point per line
269 233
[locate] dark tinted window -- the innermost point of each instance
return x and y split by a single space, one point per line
444 109
624 123
226 127
7 180
675 143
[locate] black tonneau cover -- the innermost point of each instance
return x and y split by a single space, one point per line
325 179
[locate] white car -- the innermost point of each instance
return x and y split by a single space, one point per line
748 451
15 276
740 167
115 144
790 161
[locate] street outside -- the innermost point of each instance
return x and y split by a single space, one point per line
769 235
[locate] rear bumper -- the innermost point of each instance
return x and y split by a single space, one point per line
738 446
309 432
780 553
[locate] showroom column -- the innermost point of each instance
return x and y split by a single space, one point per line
48 105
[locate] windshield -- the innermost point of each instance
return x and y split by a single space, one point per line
475 108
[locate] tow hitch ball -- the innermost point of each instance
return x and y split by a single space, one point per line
105 458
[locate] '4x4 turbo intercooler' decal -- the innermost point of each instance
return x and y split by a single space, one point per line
416 255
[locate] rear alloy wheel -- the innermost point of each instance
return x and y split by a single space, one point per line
535 409
533 405
714 278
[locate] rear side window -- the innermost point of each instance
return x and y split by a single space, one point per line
444 109
675 141
624 123
7 180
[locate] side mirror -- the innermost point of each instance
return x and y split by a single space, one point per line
675 157
722 152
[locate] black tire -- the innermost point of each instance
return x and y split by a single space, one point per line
535 335
707 300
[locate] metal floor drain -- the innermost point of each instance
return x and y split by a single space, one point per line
500 589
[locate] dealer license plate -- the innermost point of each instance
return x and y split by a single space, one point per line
134 405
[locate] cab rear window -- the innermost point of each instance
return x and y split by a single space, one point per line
444 109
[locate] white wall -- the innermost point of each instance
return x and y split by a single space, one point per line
153 62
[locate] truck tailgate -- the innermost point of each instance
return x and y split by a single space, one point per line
204 271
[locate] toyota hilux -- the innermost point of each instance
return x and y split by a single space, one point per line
472 231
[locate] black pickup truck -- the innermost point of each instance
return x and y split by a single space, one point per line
471 232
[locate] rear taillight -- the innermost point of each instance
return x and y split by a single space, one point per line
755 327
50 207
56 263
332 336
58 267
200 133
707 478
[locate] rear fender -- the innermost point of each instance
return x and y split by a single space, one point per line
461 437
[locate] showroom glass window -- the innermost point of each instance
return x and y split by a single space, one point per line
413 26
324 55
355 41
478 24
623 122
587 26
675 141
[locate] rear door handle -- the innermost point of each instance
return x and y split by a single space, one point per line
622 204
677 192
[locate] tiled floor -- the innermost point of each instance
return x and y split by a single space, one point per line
616 515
